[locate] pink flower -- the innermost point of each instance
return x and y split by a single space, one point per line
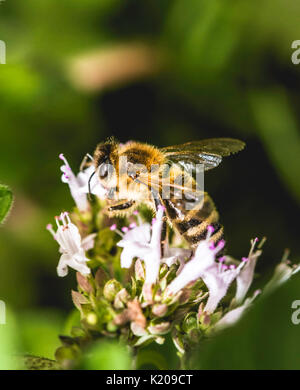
245 277
71 246
144 243
213 274
234 315
282 274
79 184
174 255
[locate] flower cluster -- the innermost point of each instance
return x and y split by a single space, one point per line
129 288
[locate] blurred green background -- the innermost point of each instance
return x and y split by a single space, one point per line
159 71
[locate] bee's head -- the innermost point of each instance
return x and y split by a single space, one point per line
106 160
114 163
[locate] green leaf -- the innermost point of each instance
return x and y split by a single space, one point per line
6 199
265 338
39 363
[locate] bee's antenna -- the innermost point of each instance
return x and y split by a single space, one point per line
89 184
84 161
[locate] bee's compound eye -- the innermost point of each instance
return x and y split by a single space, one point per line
103 170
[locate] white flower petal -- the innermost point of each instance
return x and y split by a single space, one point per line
179 252
72 237
78 263
230 318
71 246
204 258
139 242
245 277
152 264
170 260
234 315
203 265
96 187
282 274
127 255
157 228
62 268
88 242
218 283
175 255
78 185
75 262
80 199
140 234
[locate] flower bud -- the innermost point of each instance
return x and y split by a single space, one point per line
139 270
111 327
137 329
161 328
204 321
159 310
195 335
189 323
185 296
172 273
111 288
163 270
92 319
121 298
178 342
159 340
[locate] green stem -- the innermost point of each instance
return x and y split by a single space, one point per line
134 351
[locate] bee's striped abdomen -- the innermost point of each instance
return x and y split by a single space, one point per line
193 224
194 237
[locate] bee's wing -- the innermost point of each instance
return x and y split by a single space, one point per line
190 159
186 196
208 152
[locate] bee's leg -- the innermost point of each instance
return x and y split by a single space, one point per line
156 199
164 237
122 206
164 231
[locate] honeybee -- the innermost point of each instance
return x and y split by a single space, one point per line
135 173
